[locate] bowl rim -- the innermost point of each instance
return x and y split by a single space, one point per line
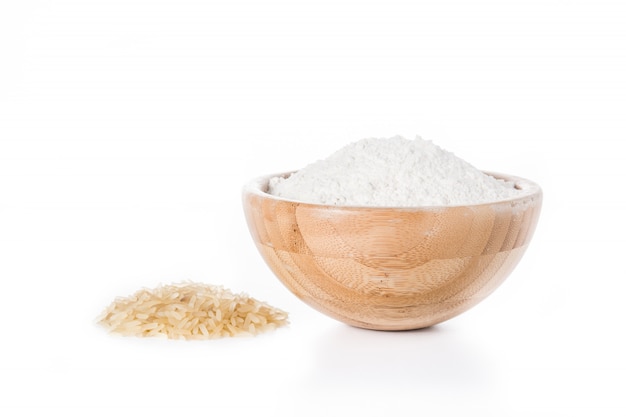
258 186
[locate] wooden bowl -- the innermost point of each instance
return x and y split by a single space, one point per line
391 268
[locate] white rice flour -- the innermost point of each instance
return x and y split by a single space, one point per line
393 172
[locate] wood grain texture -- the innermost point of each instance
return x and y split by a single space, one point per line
391 268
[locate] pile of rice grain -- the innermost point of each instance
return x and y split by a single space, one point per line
190 311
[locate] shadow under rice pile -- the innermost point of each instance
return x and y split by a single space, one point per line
190 311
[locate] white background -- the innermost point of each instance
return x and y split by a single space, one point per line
128 127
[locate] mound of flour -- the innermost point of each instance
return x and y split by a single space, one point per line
393 172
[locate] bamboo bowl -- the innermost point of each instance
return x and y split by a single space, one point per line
388 268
